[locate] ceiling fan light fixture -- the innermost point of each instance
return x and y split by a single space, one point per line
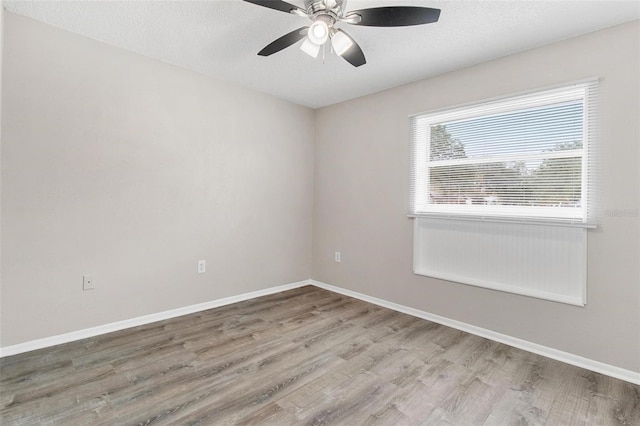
310 48
341 42
318 32
324 14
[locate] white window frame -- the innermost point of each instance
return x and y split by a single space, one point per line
420 125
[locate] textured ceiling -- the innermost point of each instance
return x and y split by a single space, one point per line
220 38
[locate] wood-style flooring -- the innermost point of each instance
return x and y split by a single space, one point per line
305 356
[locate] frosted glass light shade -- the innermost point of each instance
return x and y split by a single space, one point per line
310 48
341 42
318 32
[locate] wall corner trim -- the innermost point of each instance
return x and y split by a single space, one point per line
142 320
576 360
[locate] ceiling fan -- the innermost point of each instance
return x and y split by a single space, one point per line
326 13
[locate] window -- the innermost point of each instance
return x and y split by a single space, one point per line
491 182
527 157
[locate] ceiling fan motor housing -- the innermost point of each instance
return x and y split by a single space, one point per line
330 7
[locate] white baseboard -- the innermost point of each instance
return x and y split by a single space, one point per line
578 361
599 367
146 319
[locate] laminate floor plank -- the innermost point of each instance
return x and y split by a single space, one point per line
270 414
305 356
313 394
471 404
388 415
261 369
204 376
624 398
420 399
352 402
249 395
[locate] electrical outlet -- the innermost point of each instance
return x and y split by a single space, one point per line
202 266
88 282
338 257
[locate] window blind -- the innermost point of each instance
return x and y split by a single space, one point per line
529 157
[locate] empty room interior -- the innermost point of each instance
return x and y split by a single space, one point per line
398 212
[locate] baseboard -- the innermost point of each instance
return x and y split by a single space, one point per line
578 361
146 319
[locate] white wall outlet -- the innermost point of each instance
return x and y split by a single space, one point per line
338 257
202 266
88 282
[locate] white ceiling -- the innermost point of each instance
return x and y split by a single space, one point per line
220 38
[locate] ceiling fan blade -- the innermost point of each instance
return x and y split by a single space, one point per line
354 55
284 42
393 16
280 5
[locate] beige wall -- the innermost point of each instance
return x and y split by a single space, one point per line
361 198
1 54
132 170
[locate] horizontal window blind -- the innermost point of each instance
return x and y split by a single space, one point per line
528 157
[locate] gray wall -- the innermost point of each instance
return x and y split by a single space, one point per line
361 197
1 55
132 170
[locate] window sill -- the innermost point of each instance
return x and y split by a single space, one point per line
527 221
